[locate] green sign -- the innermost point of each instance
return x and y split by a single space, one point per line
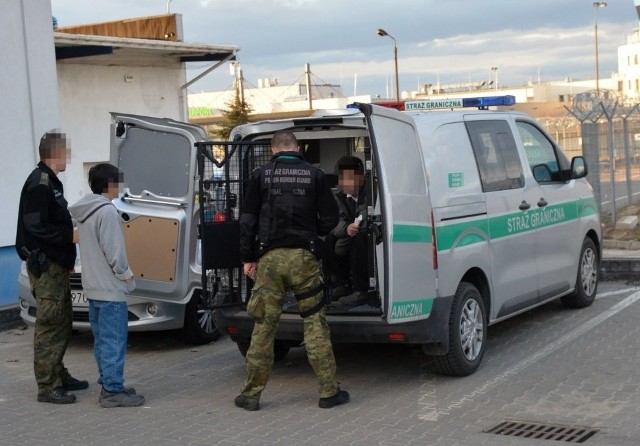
456 179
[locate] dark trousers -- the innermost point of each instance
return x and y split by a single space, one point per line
350 269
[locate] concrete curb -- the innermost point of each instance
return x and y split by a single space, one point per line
620 269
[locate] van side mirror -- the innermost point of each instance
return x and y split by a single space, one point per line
578 167
541 173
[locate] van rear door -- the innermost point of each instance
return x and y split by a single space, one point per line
405 256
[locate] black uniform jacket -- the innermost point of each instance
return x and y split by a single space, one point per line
43 219
288 204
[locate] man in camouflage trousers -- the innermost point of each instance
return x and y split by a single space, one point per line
45 240
287 206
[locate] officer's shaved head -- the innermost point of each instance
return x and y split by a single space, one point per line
284 141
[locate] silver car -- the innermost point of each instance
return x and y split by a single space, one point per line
158 206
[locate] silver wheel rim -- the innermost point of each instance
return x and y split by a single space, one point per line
589 271
205 320
471 330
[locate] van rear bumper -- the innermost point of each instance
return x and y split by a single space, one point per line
432 332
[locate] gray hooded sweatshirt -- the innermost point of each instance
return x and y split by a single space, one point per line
105 268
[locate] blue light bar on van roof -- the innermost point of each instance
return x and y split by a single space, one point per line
441 104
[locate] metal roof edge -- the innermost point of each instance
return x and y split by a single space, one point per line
128 42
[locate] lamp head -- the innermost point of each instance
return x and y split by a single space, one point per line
381 32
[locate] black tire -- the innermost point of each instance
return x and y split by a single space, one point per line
199 326
280 348
587 278
467 333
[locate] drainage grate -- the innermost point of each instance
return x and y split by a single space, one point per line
557 432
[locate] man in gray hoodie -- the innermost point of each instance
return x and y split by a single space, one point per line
106 279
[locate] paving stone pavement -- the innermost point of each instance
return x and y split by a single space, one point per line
551 365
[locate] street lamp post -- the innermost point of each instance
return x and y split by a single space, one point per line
596 6
495 77
382 32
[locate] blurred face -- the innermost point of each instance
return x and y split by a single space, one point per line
350 181
113 190
60 158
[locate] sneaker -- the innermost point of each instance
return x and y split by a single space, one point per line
122 399
129 390
341 397
75 384
246 404
57 396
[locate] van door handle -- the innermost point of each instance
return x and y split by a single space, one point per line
542 203
524 206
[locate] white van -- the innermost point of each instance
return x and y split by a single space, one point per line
474 216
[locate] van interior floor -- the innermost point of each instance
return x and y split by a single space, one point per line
346 304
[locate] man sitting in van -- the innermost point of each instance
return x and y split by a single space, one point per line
347 261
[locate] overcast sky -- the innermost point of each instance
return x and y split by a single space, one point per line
450 41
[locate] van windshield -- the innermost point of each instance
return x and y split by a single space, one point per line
155 162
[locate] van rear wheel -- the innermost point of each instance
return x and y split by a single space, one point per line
467 333
587 279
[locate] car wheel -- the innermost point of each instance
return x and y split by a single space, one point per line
280 348
587 279
467 333
199 326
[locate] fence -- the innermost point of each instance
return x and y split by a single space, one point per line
606 131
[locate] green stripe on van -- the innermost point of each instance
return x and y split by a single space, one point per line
476 231
411 308
411 233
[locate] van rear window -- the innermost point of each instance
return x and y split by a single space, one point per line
496 155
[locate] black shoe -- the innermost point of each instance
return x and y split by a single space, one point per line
75 384
57 396
246 404
353 300
340 291
341 397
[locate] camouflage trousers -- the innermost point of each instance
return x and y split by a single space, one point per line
280 270
53 326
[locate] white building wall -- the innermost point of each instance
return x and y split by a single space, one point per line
629 65
30 98
88 93
29 108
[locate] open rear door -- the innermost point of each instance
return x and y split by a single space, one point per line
408 285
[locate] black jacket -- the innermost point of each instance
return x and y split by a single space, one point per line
288 204
43 219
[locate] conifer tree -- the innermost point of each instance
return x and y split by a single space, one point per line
237 113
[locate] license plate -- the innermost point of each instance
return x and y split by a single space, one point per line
78 298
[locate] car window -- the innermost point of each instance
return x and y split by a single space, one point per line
496 155
155 162
541 153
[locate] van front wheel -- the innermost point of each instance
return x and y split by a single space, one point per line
467 333
587 279
199 326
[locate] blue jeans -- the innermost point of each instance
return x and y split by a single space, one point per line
110 327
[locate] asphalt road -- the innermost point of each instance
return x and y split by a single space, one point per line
552 366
